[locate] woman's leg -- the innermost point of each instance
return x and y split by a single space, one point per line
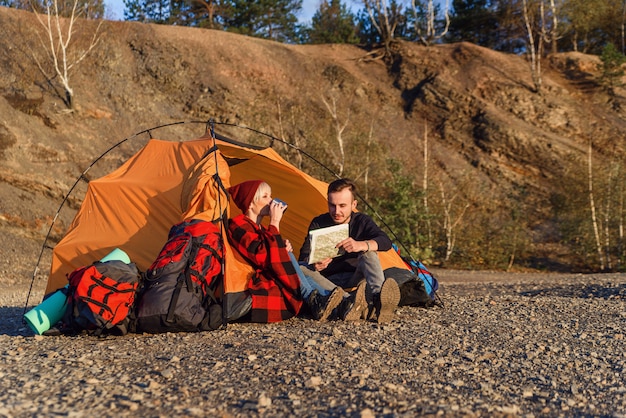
320 281
313 279
307 284
321 301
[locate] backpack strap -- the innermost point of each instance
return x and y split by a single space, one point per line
212 250
182 279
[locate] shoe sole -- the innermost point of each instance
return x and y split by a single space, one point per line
359 303
333 301
369 312
389 299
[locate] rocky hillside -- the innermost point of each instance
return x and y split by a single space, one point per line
489 134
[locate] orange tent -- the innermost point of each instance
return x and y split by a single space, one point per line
134 207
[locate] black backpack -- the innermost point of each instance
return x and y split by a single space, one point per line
180 286
418 286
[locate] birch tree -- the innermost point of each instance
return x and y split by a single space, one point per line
623 27
339 127
620 218
592 207
450 221
428 34
382 20
57 38
366 168
425 180
541 22
534 47
296 157
553 36
607 222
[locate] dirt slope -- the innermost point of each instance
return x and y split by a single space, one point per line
477 106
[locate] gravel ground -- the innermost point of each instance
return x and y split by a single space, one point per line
505 345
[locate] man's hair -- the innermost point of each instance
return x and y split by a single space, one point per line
341 184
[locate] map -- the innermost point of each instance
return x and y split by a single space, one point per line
324 240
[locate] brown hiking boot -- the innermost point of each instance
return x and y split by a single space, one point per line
387 301
359 303
322 306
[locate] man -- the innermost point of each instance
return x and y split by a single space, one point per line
360 259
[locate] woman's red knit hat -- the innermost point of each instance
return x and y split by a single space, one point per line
243 193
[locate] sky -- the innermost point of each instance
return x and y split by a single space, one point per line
116 9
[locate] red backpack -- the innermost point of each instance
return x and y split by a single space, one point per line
180 286
101 298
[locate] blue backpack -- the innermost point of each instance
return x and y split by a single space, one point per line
431 285
418 286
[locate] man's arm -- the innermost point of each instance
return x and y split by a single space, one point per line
369 234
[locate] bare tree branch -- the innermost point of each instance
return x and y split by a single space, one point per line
378 12
58 45
431 35
339 128
450 225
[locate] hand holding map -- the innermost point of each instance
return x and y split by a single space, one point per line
324 240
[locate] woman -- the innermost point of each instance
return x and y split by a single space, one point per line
278 288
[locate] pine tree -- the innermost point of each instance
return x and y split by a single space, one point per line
473 21
147 11
332 23
612 70
269 19
592 24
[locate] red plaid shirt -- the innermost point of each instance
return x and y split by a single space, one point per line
275 288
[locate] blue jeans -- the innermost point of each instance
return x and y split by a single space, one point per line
368 268
307 284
